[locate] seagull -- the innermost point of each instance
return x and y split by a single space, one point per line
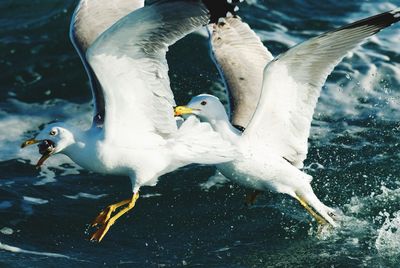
134 132
273 138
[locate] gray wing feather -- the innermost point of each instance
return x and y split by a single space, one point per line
241 58
130 62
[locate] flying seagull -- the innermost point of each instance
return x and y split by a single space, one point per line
274 144
134 132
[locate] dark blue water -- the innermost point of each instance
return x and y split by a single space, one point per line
354 155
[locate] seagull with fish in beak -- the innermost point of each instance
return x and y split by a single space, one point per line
54 139
134 132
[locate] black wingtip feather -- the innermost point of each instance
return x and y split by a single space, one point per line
219 8
381 21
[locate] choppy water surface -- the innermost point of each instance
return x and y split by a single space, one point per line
354 155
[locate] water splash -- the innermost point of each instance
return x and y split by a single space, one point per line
364 207
388 241
217 180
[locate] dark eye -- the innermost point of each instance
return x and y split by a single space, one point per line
203 102
53 133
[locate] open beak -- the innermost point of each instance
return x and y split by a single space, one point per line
181 110
46 149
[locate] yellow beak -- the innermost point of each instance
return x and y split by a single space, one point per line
181 110
29 142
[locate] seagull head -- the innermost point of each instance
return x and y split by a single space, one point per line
53 139
207 107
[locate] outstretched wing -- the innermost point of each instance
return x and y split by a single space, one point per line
129 60
90 19
93 17
292 85
240 57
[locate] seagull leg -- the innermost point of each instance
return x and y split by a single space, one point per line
315 215
251 197
105 214
101 232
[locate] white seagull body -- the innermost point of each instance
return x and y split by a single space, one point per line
274 144
134 132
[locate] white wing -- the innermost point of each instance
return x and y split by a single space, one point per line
292 85
129 61
241 58
93 17
90 19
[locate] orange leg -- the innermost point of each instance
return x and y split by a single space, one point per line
251 197
107 221
105 214
314 214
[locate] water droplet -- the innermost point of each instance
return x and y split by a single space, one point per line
7 231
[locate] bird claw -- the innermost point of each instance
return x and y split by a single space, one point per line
103 217
104 221
100 233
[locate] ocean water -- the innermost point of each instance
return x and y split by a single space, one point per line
189 219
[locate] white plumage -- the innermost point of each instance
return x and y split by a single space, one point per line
274 145
92 18
134 131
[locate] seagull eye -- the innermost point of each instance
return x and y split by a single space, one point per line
53 133
203 103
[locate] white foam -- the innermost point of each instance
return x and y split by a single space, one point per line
376 201
313 166
20 250
6 231
217 180
388 241
85 195
47 175
35 201
357 221
150 195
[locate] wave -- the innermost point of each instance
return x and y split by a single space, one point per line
14 249
388 241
